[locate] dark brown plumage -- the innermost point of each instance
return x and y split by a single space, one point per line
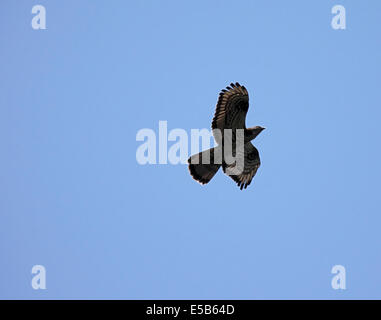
231 110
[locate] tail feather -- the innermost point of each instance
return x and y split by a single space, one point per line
203 172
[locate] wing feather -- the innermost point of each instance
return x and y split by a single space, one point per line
251 165
231 108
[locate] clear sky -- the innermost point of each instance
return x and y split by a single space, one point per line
74 199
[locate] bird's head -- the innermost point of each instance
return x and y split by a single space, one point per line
254 131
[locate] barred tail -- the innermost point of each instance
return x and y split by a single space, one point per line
200 171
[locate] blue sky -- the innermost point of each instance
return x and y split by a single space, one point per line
75 200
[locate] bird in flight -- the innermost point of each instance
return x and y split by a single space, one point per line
228 120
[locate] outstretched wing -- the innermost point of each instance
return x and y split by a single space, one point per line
231 108
251 165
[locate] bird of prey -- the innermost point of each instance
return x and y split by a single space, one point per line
231 110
